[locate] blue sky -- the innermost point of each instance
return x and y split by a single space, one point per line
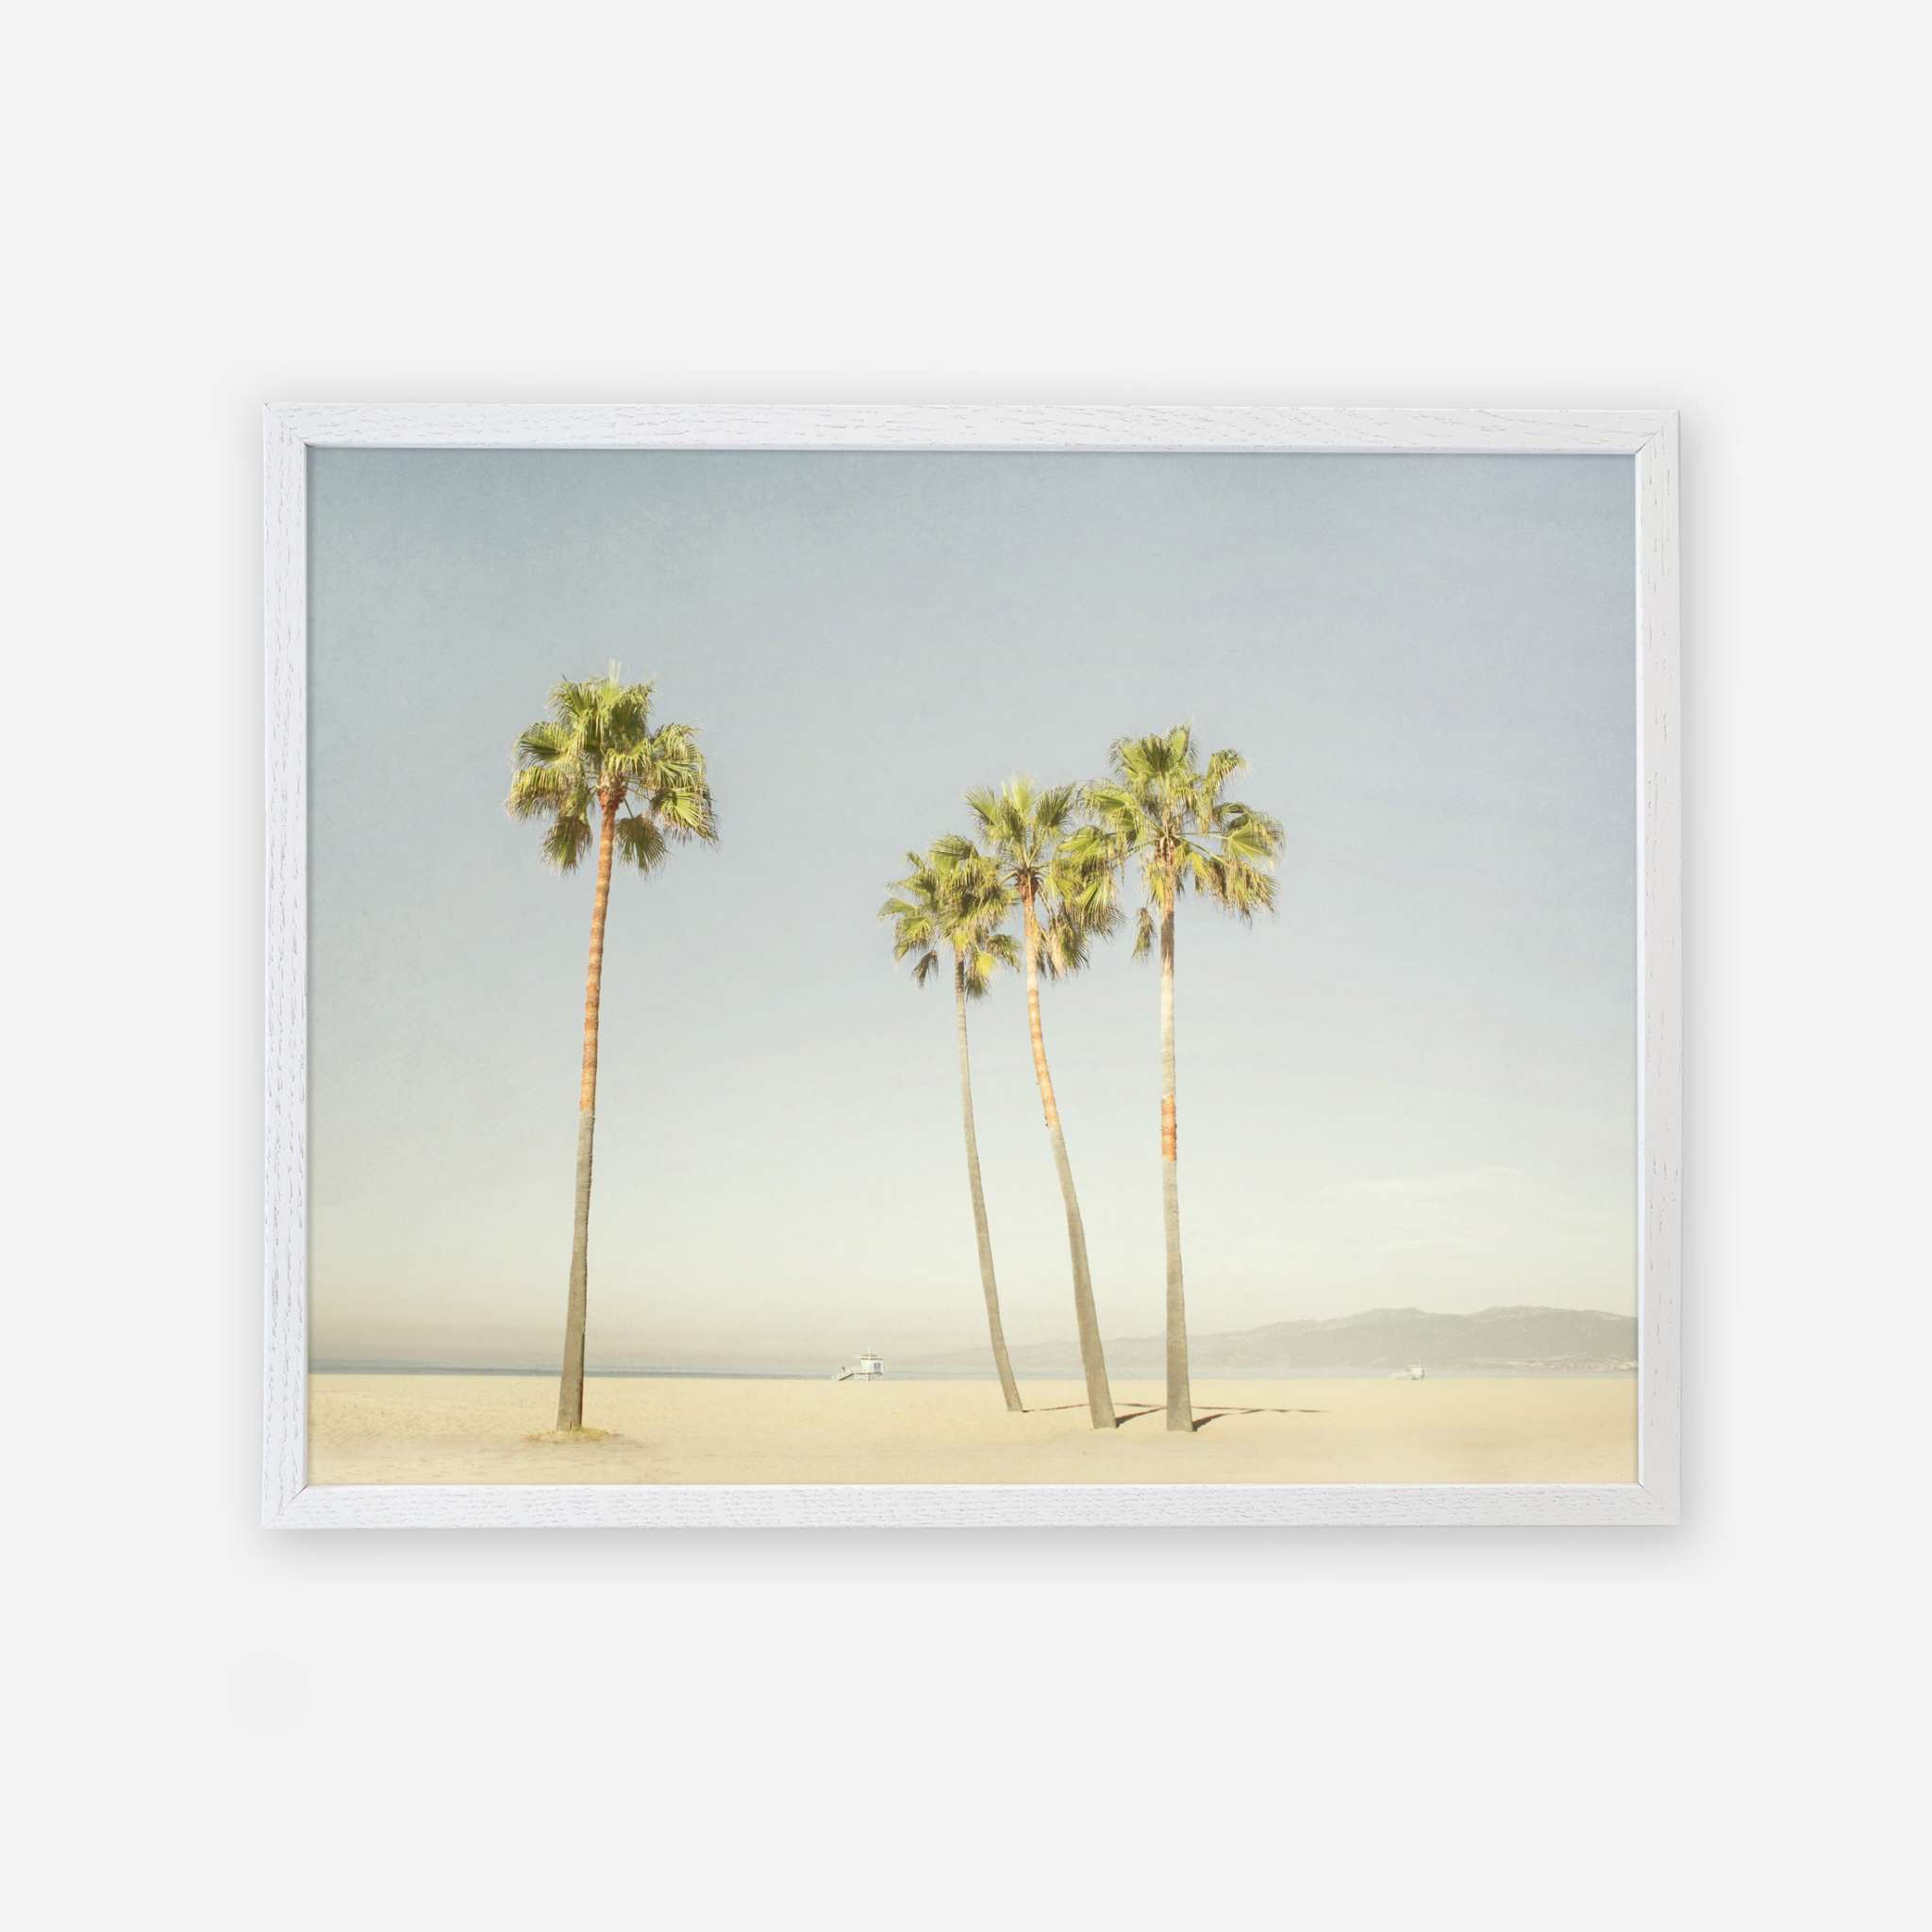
1414 1086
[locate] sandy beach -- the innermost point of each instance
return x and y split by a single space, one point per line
402 1429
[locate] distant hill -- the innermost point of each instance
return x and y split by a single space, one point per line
1497 1342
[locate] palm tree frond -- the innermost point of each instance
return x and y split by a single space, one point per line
916 934
566 841
543 744
949 848
1220 768
1064 944
1054 810
539 790
641 843
626 712
1250 833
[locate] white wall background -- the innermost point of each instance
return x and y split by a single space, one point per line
1392 203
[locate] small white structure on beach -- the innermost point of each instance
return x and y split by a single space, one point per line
868 1367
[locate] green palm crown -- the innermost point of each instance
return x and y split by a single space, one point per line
1163 804
952 897
598 745
1031 833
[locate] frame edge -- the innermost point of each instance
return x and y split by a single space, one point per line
284 969
1660 1072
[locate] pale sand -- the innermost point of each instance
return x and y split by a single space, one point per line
674 1429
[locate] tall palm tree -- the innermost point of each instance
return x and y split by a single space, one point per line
1166 806
1062 900
956 900
647 784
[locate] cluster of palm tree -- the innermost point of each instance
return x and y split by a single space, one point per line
1060 859
1056 857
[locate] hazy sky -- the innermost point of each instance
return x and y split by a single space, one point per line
1414 1086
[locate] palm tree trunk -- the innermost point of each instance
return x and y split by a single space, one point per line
1092 1361
570 1398
1180 1402
1009 1388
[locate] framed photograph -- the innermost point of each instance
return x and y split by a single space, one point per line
971 966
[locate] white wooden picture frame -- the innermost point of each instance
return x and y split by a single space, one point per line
1647 436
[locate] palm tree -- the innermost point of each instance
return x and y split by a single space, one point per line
1164 805
1062 901
649 788
957 900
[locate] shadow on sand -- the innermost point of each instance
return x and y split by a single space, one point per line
1214 1415
1126 1416
1122 1416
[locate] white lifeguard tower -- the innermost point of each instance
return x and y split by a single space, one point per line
868 1367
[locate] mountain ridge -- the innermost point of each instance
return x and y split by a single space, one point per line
1512 1339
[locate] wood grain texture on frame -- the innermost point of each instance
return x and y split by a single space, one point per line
1649 436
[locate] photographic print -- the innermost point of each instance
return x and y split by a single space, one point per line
972 968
